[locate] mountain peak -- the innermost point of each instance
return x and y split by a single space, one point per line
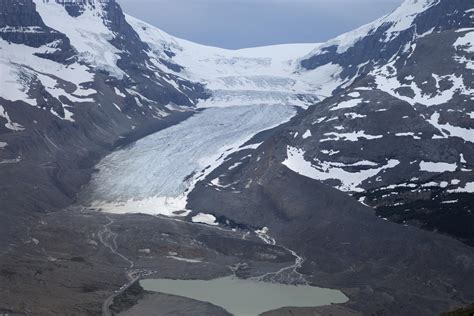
379 41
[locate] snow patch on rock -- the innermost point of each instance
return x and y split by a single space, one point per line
347 104
465 42
207 219
468 188
437 167
9 124
351 137
323 170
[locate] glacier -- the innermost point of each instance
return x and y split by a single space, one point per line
155 174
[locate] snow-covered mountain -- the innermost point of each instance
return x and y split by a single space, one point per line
75 81
399 135
84 70
263 75
385 121
67 62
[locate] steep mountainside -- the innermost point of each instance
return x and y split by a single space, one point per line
400 137
75 77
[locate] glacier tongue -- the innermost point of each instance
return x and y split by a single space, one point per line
155 175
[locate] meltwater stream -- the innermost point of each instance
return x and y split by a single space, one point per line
154 175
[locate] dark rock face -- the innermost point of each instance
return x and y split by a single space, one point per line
404 193
20 23
75 7
19 17
135 62
391 112
128 41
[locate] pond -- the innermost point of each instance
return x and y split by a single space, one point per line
246 297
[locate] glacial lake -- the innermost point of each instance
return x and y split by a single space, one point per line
246 297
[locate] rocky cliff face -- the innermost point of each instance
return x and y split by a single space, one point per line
20 23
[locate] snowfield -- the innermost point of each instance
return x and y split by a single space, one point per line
260 75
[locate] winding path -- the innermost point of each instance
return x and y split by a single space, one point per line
109 239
